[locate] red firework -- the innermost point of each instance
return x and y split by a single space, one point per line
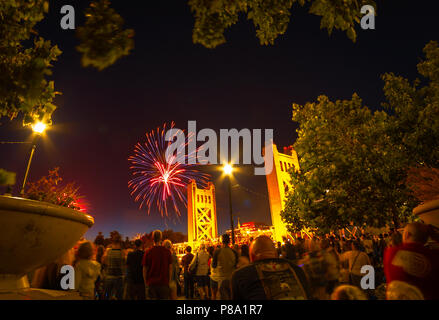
157 178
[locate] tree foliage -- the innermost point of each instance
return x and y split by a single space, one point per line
270 17
424 182
354 162
25 62
103 39
7 178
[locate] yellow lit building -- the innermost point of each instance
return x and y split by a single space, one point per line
278 184
202 219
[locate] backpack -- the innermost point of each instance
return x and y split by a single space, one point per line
280 281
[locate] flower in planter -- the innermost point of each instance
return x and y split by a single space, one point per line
49 189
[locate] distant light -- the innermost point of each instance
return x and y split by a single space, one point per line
39 127
227 169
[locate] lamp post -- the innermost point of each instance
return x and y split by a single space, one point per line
38 129
228 169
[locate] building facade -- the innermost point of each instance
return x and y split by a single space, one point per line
278 184
202 218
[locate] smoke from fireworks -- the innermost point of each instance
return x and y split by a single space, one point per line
156 178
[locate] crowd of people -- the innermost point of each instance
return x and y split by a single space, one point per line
404 265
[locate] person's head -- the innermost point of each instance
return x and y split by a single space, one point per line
138 243
347 292
225 239
396 239
324 244
356 246
85 251
188 249
167 244
415 233
157 236
262 248
245 251
399 290
115 238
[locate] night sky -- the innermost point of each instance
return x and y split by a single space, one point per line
241 84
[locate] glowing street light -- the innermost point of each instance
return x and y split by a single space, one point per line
228 169
38 128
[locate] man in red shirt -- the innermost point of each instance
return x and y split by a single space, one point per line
157 267
413 263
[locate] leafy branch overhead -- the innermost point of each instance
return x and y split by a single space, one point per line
355 163
270 17
103 39
24 68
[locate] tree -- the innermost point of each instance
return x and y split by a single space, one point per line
424 182
26 58
103 40
270 17
173 236
23 68
354 162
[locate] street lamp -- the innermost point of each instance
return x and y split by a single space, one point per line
228 169
38 128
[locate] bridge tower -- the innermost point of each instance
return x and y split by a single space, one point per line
278 184
202 222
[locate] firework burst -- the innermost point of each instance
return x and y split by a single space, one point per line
157 180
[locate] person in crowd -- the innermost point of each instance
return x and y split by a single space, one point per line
289 250
354 260
413 263
157 268
135 289
315 267
100 251
348 292
187 276
99 285
399 290
279 248
244 256
300 247
173 279
87 271
200 265
225 260
99 240
214 276
49 276
332 262
395 239
268 276
114 261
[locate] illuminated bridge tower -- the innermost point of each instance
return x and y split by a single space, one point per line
201 207
278 184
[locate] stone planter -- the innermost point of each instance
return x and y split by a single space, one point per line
429 212
33 234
